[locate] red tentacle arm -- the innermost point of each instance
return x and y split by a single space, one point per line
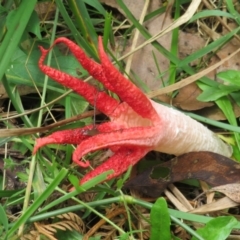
90 93
122 159
126 90
71 136
144 137
75 136
94 68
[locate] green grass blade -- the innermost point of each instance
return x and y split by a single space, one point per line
209 48
107 33
3 218
210 13
97 5
76 34
233 11
19 20
37 203
89 184
174 47
84 22
225 105
16 101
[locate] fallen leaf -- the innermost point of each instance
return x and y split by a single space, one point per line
231 190
215 113
186 98
221 204
210 167
188 43
22 90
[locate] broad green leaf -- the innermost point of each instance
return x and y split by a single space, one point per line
230 76
218 228
33 25
212 94
226 106
24 68
160 221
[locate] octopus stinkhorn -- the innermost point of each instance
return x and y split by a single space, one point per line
137 124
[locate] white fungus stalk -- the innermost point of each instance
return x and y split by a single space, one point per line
182 134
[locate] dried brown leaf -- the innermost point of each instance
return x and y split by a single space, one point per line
212 168
223 203
22 89
215 113
187 98
230 190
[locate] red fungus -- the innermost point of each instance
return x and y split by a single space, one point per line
137 124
